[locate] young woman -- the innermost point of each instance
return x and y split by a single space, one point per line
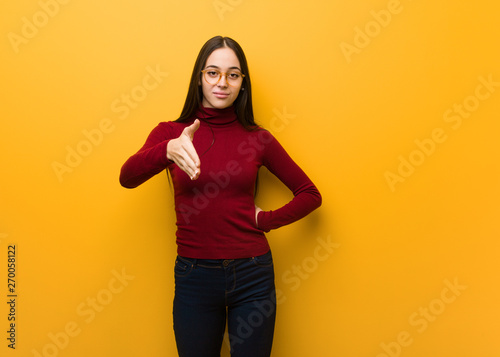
224 268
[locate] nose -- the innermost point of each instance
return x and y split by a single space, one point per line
222 81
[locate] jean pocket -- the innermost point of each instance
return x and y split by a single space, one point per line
265 260
183 266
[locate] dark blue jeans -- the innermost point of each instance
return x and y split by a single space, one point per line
209 292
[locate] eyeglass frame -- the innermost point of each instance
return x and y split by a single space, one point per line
204 71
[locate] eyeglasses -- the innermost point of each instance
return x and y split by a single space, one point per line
213 76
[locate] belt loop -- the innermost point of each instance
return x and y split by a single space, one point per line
195 263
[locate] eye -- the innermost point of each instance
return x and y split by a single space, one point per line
234 75
213 74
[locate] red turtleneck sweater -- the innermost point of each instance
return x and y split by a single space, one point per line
216 212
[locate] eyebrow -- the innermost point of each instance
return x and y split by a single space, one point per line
217 67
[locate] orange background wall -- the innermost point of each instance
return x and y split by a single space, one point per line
391 107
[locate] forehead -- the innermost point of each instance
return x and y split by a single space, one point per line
223 58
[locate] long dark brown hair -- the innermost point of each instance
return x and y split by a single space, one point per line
243 103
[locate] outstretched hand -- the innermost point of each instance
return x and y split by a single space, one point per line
182 151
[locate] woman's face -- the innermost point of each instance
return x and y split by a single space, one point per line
223 93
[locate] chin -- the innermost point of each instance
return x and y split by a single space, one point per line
218 104
223 106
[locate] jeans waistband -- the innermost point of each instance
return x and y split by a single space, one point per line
214 263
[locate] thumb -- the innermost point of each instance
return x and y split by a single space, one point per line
190 130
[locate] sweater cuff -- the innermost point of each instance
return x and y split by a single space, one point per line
263 219
167 161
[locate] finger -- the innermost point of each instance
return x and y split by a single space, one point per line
190 162
190 155
188 168
190 130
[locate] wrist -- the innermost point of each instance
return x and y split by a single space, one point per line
168 150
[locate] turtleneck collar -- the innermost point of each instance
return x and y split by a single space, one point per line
217 116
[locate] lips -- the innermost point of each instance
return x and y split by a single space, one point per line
221 95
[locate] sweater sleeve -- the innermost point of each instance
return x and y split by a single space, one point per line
306 196
150 160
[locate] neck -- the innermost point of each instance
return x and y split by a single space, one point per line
217 116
